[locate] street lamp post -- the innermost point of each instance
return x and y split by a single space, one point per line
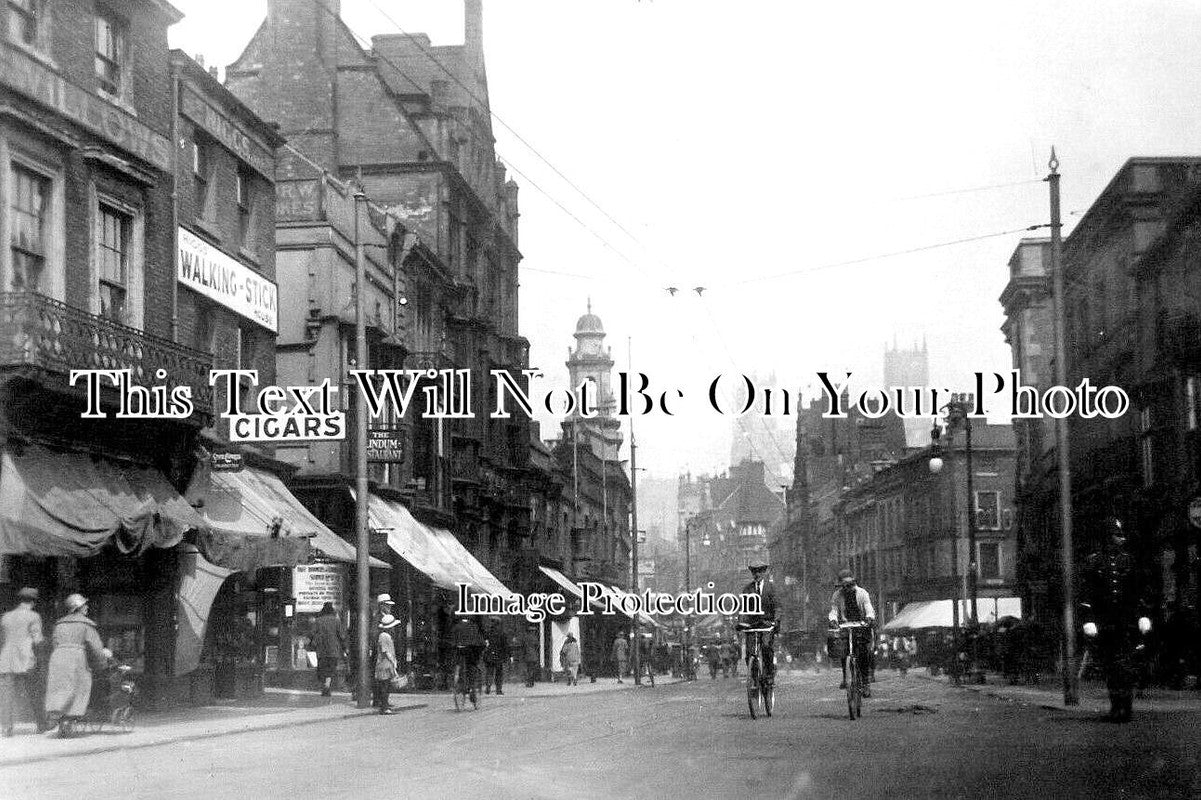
687 587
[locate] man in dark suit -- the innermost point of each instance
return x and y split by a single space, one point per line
1113 616
769 607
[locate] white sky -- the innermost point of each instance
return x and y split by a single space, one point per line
738 140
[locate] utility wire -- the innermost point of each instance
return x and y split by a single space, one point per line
969 190
470 93
879 256
364 43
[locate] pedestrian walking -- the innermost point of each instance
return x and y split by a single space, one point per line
496 655
386 670
569 657
76 650
621 654
531 653
329 642
728 657
20 638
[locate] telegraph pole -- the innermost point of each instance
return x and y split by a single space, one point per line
634 525
362 532
1071 688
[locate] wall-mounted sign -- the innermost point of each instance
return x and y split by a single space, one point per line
228 133
113 124
226 462
314 585
385 445
206 270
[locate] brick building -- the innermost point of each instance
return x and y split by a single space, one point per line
87 280
438 220
1129 270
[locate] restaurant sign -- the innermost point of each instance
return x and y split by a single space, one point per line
385 445
205 269
113 124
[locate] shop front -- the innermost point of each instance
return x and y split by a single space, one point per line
109 529
429 566
268 567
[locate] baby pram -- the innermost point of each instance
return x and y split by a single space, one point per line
111 703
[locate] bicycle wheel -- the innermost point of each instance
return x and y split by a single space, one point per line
752 690
768 692
854 689
457 691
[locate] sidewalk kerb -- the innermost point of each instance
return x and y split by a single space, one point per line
272 724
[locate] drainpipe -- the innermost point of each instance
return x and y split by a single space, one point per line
174 204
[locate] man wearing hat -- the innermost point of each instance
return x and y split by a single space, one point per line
20 634
852 603
770 616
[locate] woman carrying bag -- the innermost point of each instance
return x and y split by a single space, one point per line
386 671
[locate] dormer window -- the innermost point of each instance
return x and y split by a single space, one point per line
110 53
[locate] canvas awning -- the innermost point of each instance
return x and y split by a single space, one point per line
641 616
432 551
255 522
940 613
71 504
563 580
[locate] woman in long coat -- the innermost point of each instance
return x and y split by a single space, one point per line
69 681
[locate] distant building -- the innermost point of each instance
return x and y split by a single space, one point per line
909 368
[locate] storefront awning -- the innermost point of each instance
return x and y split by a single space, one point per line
643 618
940 613
257 522
71 504
563 580
432 551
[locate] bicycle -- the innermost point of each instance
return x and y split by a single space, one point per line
463 683
854 675
759 688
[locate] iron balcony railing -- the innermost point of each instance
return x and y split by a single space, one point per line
43 333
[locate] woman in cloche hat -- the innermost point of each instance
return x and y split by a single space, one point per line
76 646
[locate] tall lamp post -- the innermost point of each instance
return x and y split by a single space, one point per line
959 414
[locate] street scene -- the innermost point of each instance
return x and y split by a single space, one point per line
625 398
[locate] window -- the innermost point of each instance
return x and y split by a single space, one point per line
30 213
247 352
25 21
244 209
206 327
988 560
988 511
1191 396
201 170
112 262
110 53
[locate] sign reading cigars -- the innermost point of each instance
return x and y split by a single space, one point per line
206 270
102 118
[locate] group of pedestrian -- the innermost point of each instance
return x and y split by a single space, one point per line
75 653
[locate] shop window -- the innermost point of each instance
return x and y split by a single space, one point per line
112 261
988 560
111 53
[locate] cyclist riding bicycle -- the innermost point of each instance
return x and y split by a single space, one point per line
769 617
851 603
469 645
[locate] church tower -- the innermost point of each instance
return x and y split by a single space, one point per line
591 361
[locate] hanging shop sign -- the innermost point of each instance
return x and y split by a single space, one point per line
314 585
385 445
226 462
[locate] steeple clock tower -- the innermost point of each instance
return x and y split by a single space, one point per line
591 361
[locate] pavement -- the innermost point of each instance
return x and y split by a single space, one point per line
1094 699
275 709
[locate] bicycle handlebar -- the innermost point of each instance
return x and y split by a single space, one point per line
756 630
858 624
